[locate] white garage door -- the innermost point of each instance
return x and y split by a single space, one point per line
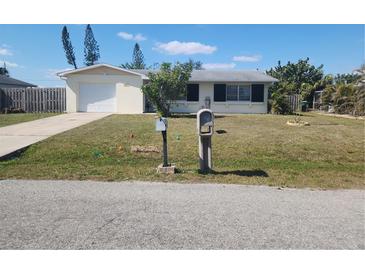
97 98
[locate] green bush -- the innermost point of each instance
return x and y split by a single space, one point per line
360 101
345 98
280 104
167 85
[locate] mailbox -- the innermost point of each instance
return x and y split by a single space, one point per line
205 125
207 102
205 122
161 124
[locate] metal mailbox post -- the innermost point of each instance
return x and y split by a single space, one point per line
205 125
161 125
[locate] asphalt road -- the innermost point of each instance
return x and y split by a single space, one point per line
135 215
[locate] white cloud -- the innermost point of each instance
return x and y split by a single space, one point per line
219 66
185 48
5 51
10 64
128 36
247 58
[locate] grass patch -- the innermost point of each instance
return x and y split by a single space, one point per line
15 118
255 149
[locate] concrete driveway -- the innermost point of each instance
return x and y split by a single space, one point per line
135 215
18 136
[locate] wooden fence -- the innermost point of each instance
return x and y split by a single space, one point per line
295 102
33 99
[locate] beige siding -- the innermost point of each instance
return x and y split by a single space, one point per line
72 91
130 97
128 90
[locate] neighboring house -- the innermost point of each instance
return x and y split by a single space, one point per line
8 82
106 88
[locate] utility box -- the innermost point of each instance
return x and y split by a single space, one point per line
207 102
205 126
304 106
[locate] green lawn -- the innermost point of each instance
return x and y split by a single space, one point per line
257 149
15 118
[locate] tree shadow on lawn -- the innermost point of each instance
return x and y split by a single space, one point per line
244 173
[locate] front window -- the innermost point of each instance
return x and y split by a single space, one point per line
244 93
232 94
238 93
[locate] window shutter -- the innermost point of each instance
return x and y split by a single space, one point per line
219 92
192 92
257 93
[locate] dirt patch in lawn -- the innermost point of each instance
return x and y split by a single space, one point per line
145 149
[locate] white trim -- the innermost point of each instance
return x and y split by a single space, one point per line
186 102
68 72
234 103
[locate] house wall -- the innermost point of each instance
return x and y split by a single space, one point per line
128 90
130 99
207 89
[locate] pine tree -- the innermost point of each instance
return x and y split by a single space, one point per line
137 59
4 71
91 48
197 65
67 46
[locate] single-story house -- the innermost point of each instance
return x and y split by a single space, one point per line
106 88
8 82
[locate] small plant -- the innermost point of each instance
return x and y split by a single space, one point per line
97 154
297 118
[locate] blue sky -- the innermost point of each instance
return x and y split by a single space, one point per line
34 52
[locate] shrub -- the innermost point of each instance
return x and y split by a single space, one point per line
360 101
345 98
280 104
167 85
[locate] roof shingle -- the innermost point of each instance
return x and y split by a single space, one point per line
224 76
11 82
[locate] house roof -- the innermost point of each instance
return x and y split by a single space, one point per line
224 76
196 75
10 82
73 71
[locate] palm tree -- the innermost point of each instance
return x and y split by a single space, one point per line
359 95
344 99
